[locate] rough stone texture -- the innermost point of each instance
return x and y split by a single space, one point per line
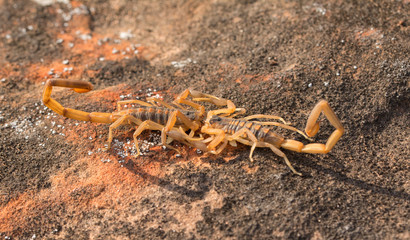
270 58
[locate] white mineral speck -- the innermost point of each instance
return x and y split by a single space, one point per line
126 35
85 37
65 62
310 85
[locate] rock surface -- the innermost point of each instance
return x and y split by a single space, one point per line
270 58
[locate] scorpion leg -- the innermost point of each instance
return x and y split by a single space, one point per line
278 152
147 125
238 111
218 136
184 119
142 103
163 103
254 143
203 97
118 123
171 123
181 136
238 136
286 127
182 99
267 117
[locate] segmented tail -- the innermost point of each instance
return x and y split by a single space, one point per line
77 86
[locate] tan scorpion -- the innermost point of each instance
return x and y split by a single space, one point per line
145 116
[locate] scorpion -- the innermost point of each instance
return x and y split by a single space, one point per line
224 129
146 116
219 125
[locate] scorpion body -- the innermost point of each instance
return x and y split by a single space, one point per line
155 114
145 115
223 130
232 126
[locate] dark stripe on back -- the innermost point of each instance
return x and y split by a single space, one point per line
261 132
239 125
234 125
158 114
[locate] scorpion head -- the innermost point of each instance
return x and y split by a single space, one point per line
215 120
191 115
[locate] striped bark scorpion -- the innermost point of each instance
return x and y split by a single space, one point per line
225 129
145 116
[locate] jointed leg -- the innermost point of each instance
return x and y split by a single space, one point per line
125 102
238 111
264 144
182 137
145 125
118 123
182 99
284 126
218 136
171 123
163 103
267 117
184 119
203 97
280 154
238 137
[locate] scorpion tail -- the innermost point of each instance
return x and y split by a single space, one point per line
77 86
